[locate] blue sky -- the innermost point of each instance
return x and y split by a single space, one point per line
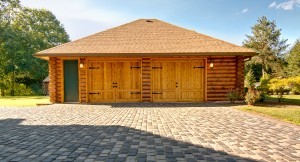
229 20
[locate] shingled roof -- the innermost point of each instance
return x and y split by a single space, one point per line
146 37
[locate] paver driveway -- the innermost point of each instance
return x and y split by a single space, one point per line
143 132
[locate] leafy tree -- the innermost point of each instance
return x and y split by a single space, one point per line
293 60
25 32
266 41
8 10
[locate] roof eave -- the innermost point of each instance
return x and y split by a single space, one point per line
47 55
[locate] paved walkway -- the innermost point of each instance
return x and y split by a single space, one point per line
144 132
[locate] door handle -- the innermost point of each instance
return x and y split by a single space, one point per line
92 93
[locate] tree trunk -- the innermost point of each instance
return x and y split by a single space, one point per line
2 92
12 93
263 68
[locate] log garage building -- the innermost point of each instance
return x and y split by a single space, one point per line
146 60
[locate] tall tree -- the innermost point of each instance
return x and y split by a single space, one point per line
8 11
266 41
26 32
293 60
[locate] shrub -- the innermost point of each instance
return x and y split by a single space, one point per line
249 80
295 84
263 88
252 97
234 95
279 86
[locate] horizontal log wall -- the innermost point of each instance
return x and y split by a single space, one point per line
227 73
224 76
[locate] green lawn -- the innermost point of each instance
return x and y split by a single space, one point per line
288 110
23 100
282 112
291 99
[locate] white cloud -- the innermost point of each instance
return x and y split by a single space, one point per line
272 5
288 5
245 10
77 15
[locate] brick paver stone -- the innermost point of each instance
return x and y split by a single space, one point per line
144 132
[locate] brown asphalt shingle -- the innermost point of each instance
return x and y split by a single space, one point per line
146 37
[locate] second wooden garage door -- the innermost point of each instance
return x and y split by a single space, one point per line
114 81
178 80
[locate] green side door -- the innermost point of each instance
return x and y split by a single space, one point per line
71 81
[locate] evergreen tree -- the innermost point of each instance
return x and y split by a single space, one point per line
293 60
266 41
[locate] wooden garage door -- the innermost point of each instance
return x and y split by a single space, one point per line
114 81
178 80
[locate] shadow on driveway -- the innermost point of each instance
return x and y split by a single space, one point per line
104 143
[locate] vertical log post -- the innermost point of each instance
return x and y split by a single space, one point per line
83 80
52 79
146 80
240 73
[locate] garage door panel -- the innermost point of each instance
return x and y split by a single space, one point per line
179 80
168 80
128 78
164 81
191 96
128 96
102 96
156 76
191 75
165 97
107 79
94 78
114 81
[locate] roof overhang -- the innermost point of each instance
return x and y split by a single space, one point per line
47 55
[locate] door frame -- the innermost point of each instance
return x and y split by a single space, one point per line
162 59
63 78
109 59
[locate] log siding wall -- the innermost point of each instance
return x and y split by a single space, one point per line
227 73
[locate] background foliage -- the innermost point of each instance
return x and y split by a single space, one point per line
276 68
23 32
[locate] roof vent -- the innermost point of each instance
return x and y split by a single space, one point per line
150 21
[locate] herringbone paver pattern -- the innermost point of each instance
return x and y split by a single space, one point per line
144 132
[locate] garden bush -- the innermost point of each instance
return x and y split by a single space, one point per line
234 95
281 86
252 97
